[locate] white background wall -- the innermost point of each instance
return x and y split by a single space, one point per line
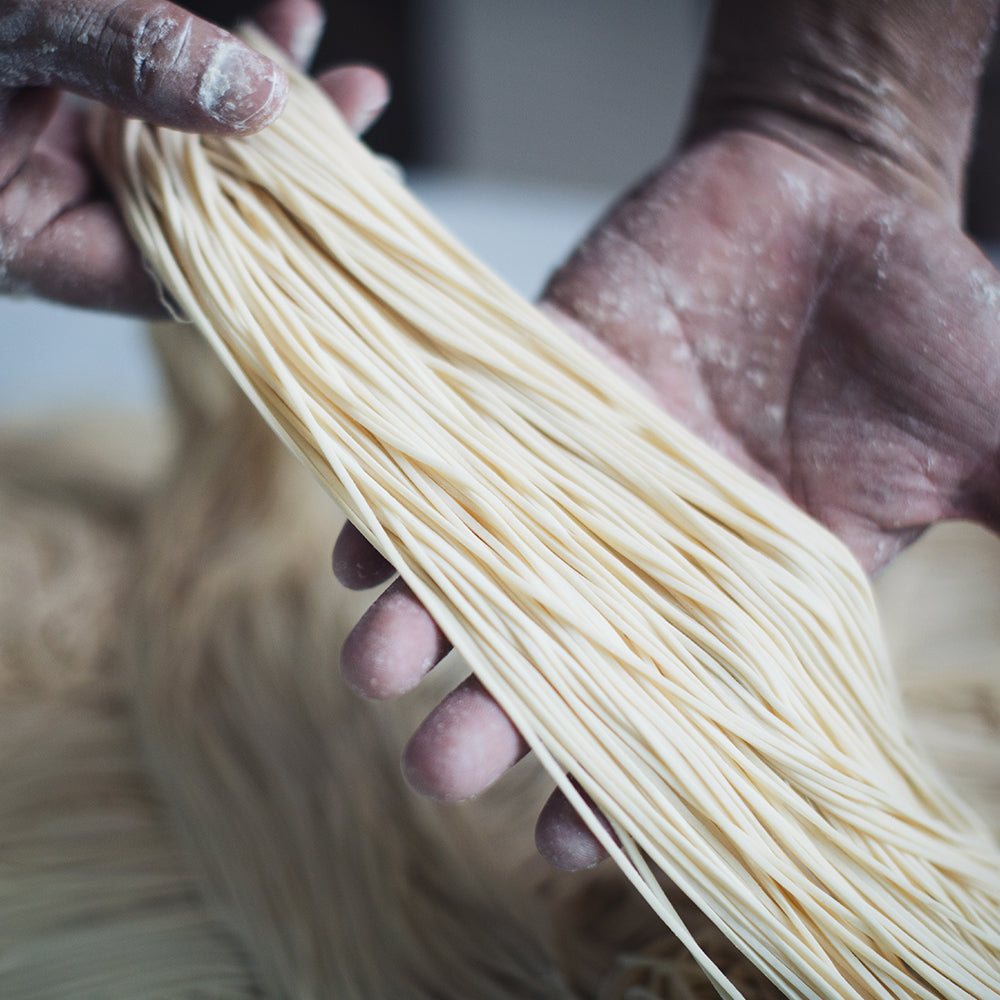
585 92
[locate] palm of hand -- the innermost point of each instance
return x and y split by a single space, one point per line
836 340
839 343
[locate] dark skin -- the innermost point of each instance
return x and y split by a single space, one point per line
795 287
60 237
793 284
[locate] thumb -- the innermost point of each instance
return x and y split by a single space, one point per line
146 58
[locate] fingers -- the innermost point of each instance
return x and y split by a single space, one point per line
467 742
295 26
24 117
563 839
360 93
56 241
463 746
59 238
84 258
146 58
393 645
357 564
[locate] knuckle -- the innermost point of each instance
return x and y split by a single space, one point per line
145 43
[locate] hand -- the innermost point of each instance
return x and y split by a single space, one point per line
812 311
60 237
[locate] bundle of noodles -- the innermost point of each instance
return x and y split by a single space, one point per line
700 656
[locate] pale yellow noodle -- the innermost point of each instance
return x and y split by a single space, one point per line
702 657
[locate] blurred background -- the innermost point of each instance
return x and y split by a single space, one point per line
516 121
561 91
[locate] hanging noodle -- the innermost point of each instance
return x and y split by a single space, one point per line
699 655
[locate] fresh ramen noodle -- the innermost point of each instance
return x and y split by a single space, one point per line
700 656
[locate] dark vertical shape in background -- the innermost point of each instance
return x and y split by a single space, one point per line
982 189
377 32
380 33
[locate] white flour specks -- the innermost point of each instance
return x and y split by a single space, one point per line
148 42
985 289
240 88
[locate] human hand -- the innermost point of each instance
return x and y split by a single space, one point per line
60 236
809 306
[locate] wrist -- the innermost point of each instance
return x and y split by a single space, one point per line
888 88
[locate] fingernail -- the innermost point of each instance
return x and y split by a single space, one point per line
241 89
